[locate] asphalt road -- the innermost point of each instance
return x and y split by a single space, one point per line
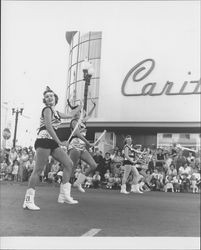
151 214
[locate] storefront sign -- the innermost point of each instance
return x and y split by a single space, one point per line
148 89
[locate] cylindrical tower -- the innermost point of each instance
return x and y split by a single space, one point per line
82 46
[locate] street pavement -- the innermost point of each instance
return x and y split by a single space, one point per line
108 212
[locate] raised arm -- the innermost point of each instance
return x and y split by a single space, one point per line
86 118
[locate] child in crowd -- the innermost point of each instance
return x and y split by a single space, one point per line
88 182
15 170
110 181
176 183
107 175
96 179
169 185
185 184
194 184
117 181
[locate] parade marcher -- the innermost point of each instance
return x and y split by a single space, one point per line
79 145
46 144
128 166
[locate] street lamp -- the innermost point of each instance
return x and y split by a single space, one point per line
88 70
16 111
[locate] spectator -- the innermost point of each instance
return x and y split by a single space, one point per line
185 170
30 164
15 170
23 158
194 184
117 162
107 163
48 167
110 181
88 182
169 184
190 157
148 178
185 184
107 175
3 169
172 170
96 180
12 155
117 181
9 170
160 159
98 158
176 181
168 160
157 180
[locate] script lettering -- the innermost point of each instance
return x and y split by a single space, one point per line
140 72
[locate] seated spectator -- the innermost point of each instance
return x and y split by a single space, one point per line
96 180
185 184
110 181
88 183
117 162
107 175
176 183
15 170
169 184
53 172
117 181
172 170
59 176
147 179
185 170
157 180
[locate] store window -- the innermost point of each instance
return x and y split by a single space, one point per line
95 49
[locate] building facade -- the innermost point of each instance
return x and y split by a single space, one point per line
149 90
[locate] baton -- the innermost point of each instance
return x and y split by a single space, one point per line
100 137
76 126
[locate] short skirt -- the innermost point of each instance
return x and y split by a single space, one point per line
46 143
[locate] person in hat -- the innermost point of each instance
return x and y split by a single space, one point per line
46 144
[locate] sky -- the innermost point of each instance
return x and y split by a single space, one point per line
34 51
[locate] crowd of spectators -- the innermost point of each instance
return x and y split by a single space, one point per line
163 169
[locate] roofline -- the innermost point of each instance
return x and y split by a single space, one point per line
141 124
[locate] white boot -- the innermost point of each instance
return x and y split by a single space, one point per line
64 195
123 189
135 189
29 200
78 183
